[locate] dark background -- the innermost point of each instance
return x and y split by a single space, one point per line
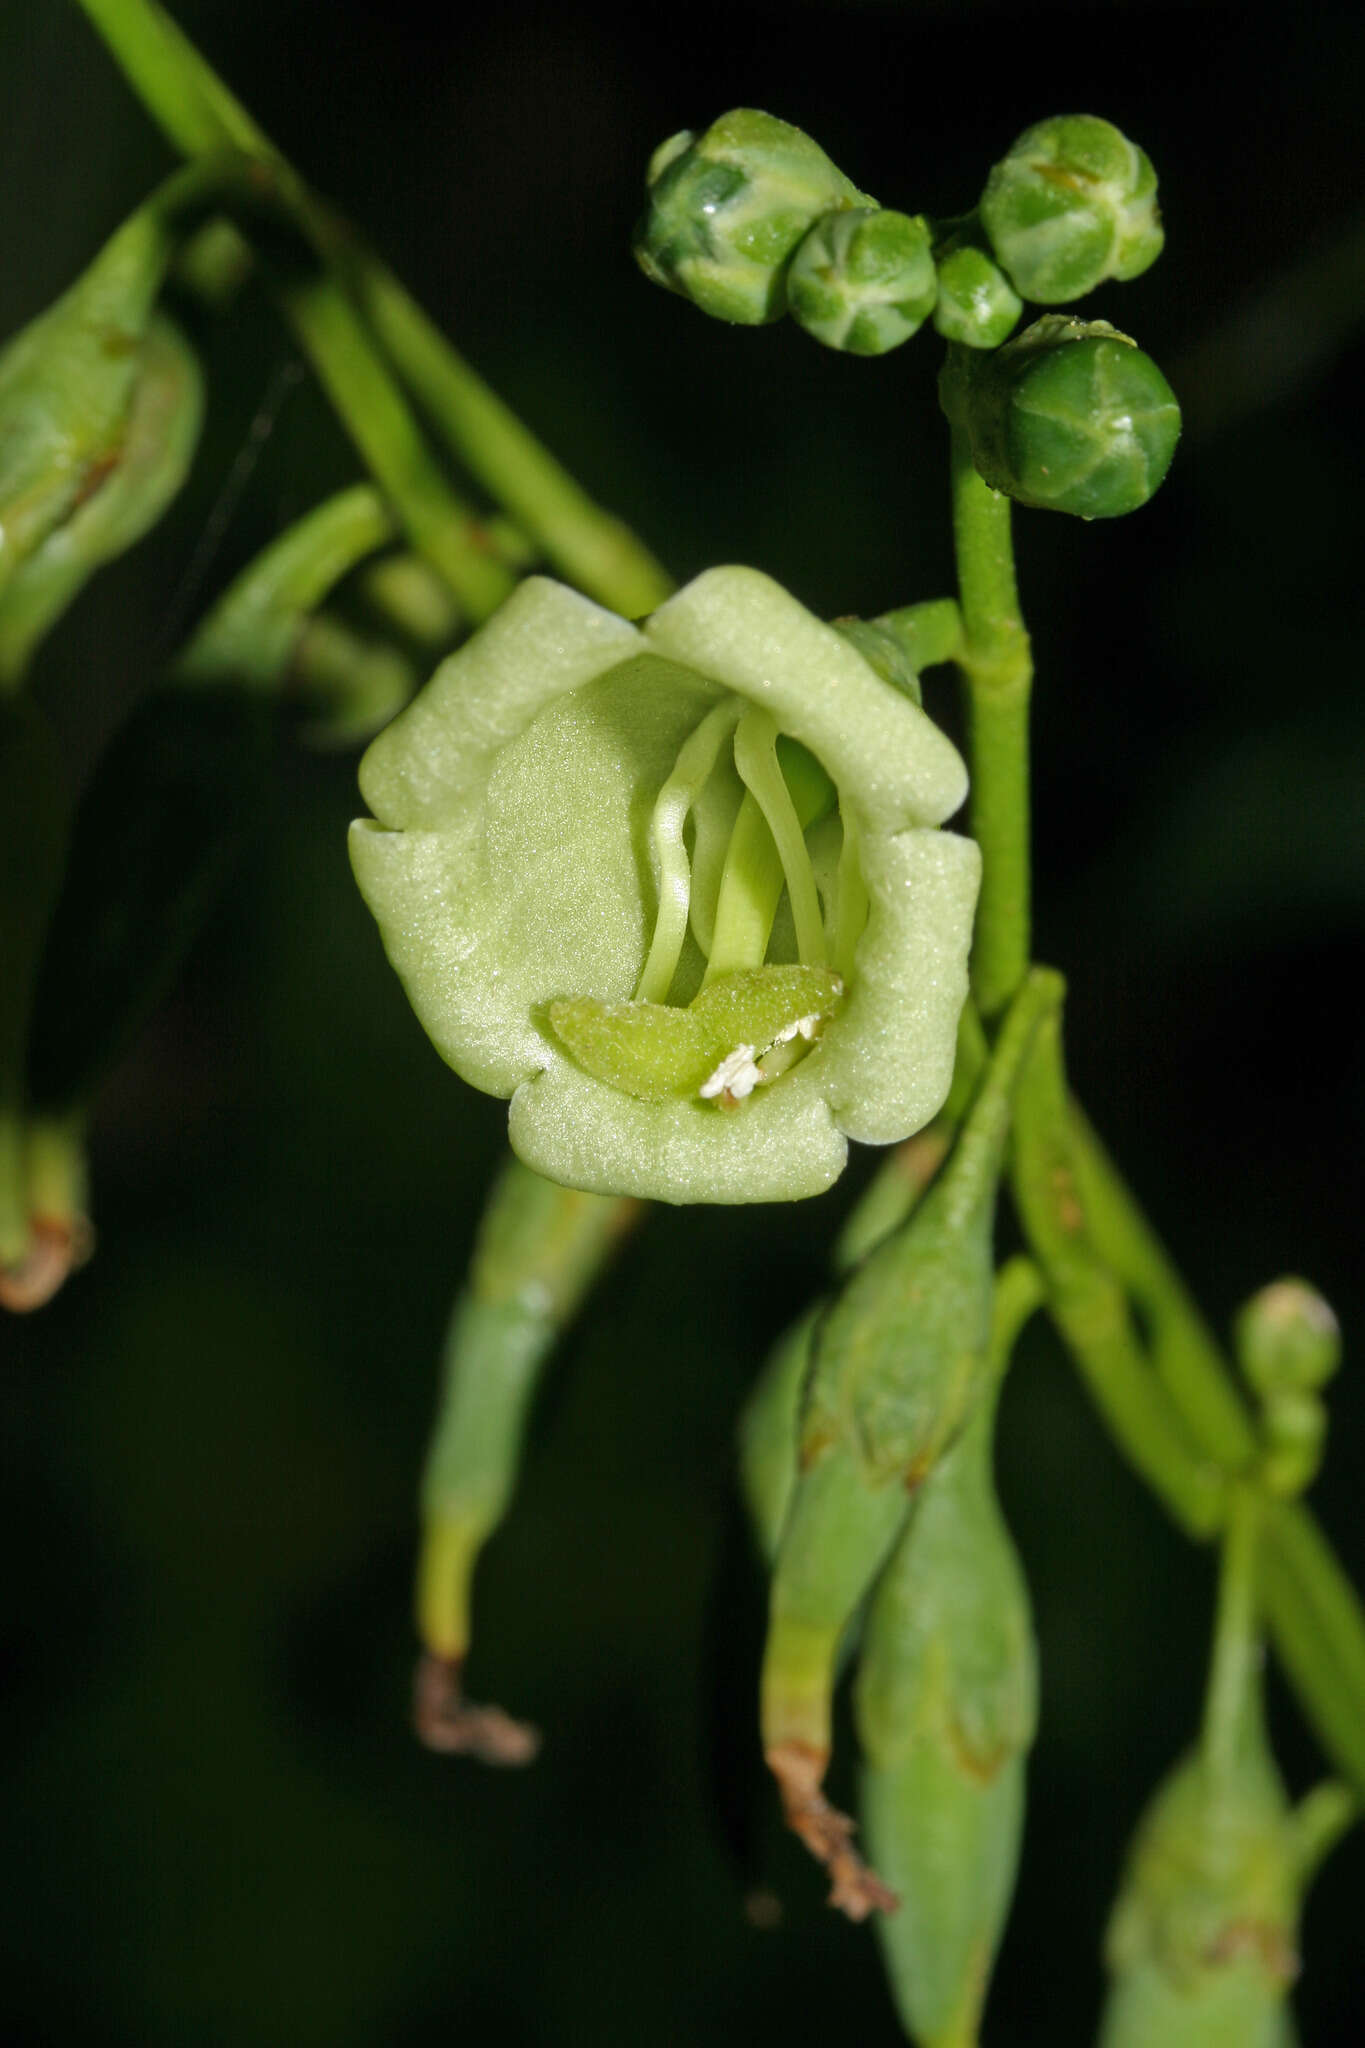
219 1829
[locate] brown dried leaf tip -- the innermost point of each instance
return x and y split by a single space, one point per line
855 1888
451 1725
56 1247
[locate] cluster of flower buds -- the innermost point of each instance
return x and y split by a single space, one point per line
751 220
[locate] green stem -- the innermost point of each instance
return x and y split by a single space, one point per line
381 424
997 671
1088 1304
1185 1353
1236 1639
199 115
1313 1611
592 548
927 633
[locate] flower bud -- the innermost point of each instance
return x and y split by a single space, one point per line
1288 1339
1288 1346
900 1362
947 1706
1073 203
1202 1944
977 305
863 280
67 382
154 450
1071 416
727 208
539 1249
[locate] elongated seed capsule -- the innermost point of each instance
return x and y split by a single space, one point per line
1070 416
946 1700
1202 1944
727 208
1073 203
769 1427
900 1362
540 1247
862 279
768 1430
156 448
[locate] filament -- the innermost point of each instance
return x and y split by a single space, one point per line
696 759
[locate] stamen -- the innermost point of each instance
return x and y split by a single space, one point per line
696 759
852 906
754 873
756 760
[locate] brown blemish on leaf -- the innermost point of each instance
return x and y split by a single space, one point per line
451 1725
1070 1214
855 1888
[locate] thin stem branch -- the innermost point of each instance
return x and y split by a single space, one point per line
1232 1666
1088 1304
997 670
199 116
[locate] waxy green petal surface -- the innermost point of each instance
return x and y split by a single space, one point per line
509 865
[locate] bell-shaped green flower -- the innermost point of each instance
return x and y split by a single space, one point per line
676 889
863 280
1073 203
1070 416
727 208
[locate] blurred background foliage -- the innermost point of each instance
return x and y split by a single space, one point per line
218 1827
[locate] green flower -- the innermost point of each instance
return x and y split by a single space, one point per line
675 889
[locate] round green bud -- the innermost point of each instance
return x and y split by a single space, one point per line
1288 1340
727 208
1071 416
977 305
1072 204
863 280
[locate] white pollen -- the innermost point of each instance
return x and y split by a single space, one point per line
736 1076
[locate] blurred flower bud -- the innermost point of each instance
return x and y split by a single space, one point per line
977 305
1288 1346
146 469
1073 203
1071 416
727 208
1288 1339
863 280
1202 1944
67 381
947 1705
